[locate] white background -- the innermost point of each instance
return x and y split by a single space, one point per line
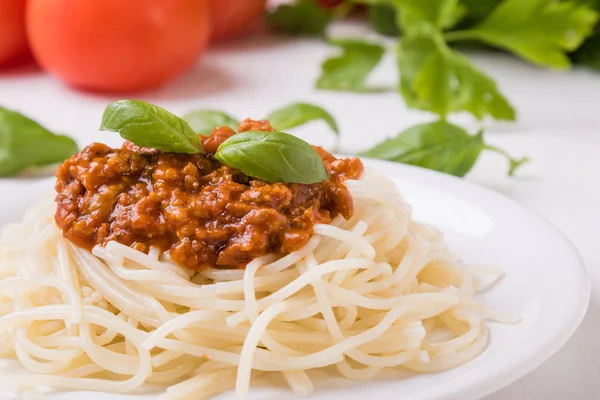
558 127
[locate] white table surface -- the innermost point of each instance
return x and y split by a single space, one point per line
558 127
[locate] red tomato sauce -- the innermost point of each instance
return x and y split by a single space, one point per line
202 212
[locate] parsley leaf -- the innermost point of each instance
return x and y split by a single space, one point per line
540 31
349 70
427 16
305 17
439 79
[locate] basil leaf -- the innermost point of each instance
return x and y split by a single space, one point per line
439 79
147 125
273 157
298 114
305 17
24 143
349 70
439 146
204 121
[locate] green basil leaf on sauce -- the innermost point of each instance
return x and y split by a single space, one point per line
24 143
147 125
298 114
204 121
440 146
273 157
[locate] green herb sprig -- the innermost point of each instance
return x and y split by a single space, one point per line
435 77
539 31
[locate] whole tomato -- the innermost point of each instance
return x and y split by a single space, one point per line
13 39
232 17
117 45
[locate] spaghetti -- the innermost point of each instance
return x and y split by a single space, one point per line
362 295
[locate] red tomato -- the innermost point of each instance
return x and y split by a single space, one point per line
13 40
232 17
117 45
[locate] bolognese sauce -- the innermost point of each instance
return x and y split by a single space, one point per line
202 212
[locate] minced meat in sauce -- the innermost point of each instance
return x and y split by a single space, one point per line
202 212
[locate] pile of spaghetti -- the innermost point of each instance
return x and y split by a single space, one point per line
362 295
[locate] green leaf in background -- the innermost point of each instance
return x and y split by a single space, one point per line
427 16
540 31
273 157
476 11
349 70
147 125
298 114
383 19
440 146
455 17
589 52
204 121
371 2
305 17
24 143
439 79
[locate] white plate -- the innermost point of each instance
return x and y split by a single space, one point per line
546 282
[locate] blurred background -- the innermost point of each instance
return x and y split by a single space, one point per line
519 78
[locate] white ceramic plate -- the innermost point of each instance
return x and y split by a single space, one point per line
546 282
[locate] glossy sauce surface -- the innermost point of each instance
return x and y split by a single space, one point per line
202 212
